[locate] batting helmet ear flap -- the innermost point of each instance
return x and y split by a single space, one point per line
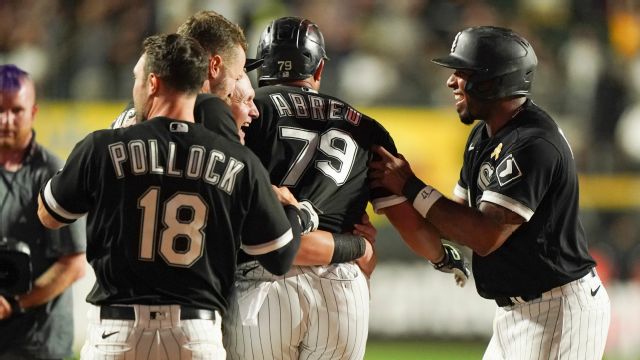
317 74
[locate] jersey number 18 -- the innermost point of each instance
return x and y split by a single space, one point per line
174 227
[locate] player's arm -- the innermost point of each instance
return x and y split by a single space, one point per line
419 235
323 248
45 216
64 272
279 261
318 247
483 230
271 232
64 198
425 240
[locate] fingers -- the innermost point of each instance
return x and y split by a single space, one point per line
366 231
378 165
365 218
384 154
5 308
375 183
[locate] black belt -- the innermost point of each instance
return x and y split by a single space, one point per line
128 313
503 301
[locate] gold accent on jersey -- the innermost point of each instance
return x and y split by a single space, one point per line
496 152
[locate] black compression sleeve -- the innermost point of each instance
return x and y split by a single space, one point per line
279 261
347 247
412 187
305 220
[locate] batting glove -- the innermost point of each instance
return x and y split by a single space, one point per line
311 221
453 262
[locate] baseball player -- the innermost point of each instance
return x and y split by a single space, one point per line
226 45
317 246
516 205
225 42
318 146
169 205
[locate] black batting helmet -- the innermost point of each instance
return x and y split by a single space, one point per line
502 62
291 48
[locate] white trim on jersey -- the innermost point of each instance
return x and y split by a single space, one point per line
461 192
55 207
387 201
267 247
507 202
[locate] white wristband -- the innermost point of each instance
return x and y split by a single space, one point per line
425 199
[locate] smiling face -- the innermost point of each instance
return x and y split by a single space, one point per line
464 103
469 107
17 112
243 108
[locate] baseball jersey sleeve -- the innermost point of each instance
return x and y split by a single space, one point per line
381 197
214 114
66 195
523 175
126 118
267 227
461 189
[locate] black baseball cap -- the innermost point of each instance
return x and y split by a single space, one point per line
252 64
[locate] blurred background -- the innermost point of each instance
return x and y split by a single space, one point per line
81 54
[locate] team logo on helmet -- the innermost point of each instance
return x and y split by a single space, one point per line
455 42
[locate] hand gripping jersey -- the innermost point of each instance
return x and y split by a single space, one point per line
319 147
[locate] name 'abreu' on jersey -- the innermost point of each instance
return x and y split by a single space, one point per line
318 146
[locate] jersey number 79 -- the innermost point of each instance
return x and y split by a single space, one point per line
334 143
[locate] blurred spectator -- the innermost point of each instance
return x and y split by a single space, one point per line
380 51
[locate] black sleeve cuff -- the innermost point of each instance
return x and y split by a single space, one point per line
412 187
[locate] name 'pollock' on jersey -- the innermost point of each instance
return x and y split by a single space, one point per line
144 159
319 146
170 204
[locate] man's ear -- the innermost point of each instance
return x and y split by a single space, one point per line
153 85
215 66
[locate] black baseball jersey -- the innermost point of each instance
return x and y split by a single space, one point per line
528 168
169 205
319 147
210 110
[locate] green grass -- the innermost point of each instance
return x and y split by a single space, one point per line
423 350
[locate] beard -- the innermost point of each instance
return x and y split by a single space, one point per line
466 117
140 117
141 107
